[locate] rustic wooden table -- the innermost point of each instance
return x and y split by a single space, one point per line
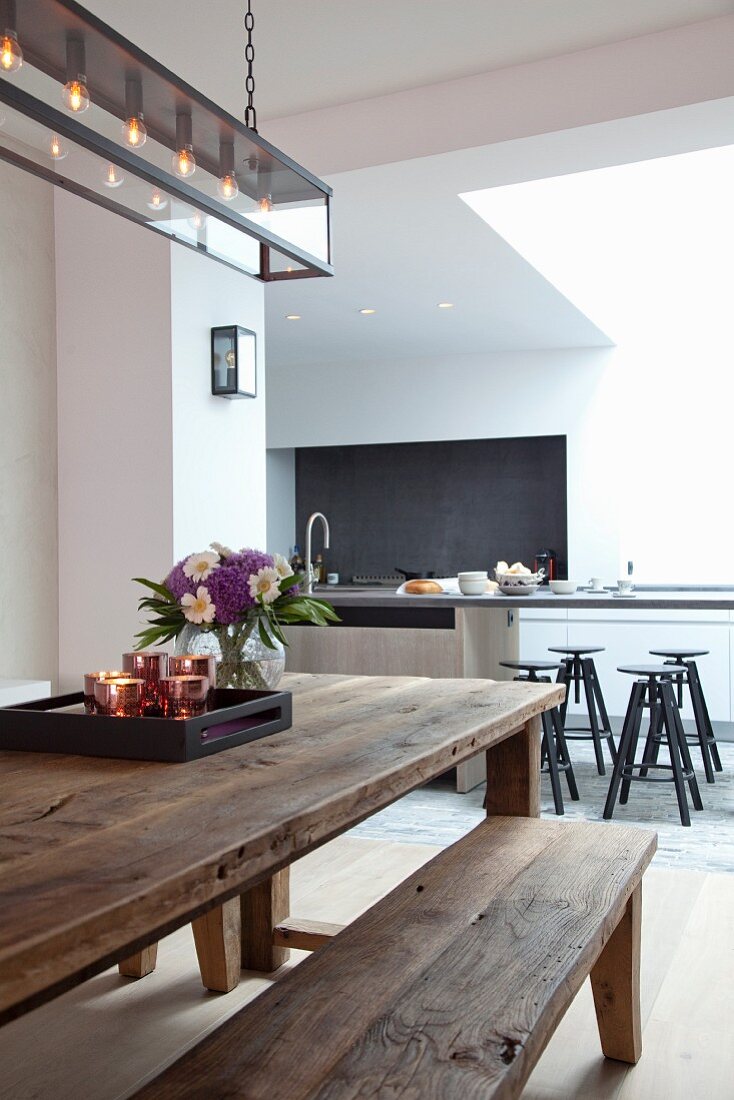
102 857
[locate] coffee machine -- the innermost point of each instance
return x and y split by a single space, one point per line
548 561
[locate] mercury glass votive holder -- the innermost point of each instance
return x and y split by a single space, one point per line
122 697
90 679
196 664
183 696
149 665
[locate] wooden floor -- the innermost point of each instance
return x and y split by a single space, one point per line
105 1039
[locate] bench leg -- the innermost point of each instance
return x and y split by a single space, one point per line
217 942
263 907
513 774
140 964
615 981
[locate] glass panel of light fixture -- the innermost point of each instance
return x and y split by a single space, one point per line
265 194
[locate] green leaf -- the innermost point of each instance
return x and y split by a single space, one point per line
161 589
264 636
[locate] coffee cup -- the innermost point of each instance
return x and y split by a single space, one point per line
624 585
595 584
332 578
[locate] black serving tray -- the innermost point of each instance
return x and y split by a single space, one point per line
61 725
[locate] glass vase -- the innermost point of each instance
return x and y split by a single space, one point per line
243 659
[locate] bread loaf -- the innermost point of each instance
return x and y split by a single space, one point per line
423 587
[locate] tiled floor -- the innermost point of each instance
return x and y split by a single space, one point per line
438 815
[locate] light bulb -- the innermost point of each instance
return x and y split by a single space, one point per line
75 96
197 221
112 177
157 201
184 162
134 132
228 187
11 55
265 204
56 148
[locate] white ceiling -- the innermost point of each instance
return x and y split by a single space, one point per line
405 241
317 53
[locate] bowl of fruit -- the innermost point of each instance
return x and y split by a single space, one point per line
517 579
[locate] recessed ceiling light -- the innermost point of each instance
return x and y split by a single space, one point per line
293 317
445 305
366 312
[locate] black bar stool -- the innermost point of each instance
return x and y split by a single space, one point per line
704 734
665 723
577 669
554 749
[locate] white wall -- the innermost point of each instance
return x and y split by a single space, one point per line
566 392
648 430
28 545
218 445
151 466
281 469
115 428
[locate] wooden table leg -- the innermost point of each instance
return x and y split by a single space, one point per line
262 908
217 941
140 964
615 981
513 774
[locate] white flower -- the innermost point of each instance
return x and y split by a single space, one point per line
223 551
199 566
265 583
199 608
283 566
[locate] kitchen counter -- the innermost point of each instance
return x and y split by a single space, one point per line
653 599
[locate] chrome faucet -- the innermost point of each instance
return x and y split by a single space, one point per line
309 529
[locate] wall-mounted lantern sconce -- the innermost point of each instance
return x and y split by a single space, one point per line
234 362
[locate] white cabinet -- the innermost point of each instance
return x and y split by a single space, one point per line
629 635
541 628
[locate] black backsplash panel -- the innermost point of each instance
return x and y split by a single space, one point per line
461 504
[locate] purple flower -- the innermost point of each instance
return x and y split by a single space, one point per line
179 583
229 585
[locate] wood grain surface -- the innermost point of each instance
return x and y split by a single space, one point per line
449 988
101 857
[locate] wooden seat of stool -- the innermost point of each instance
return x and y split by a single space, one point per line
576 649
682 653
531 666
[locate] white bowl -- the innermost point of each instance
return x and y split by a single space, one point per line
517 589
477 575
476 586
563 588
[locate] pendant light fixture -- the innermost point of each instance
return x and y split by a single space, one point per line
136 139
75 94
11 55
133 129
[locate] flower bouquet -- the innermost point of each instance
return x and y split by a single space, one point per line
234 605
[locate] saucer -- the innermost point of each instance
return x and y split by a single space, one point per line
624 595
597 591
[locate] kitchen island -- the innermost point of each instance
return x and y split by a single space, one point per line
383 633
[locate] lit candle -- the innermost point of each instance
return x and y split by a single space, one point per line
90 679
196 664
122 697
183 696
149 665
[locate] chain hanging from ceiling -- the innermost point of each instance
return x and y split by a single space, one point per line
250 112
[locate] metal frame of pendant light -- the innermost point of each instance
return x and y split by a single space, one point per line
169 102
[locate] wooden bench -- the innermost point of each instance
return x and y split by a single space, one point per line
451 986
